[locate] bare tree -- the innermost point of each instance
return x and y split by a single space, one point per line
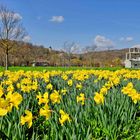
11 30
70 48
88 50
91 48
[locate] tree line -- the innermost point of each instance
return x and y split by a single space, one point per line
15 52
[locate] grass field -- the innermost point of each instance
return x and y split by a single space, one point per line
57 68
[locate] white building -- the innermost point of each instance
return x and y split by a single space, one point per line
133 57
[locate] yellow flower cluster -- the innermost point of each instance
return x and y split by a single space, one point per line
7 102
27 85
114 80
131 92
43 99
17 87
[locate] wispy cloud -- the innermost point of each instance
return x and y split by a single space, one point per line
17 16
58 19
103 43
126 39
26 38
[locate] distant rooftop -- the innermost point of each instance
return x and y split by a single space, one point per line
136 46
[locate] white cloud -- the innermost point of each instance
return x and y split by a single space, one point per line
103 43
26 38
58 19
127 39
17 16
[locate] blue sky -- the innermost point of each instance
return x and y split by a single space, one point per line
87 22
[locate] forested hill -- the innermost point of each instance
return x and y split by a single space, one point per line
24 54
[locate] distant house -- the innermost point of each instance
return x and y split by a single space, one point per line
133 57
40 62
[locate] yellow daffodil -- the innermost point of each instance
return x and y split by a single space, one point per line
64 91
45 111
14 99
49 86
55 97
43 99
81 98
103 90
64 117
99 98
27 118
70 83
4 107
64 77
79 86
3 111
1 91
10 88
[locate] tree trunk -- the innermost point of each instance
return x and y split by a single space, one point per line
6 61
69 59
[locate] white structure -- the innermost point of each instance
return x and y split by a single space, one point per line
133 57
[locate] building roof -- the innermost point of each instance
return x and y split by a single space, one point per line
40 60
136 46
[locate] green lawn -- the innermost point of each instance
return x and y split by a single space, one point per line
56 68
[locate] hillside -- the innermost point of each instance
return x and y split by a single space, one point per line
106 58
27 54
